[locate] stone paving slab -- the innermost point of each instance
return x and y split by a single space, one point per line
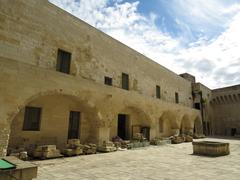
169 162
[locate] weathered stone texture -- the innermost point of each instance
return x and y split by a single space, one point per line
31 34
225 109
210 148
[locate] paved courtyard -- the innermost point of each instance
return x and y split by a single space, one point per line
167 162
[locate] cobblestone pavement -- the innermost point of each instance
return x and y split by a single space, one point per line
174 161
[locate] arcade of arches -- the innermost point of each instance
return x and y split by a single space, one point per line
92 125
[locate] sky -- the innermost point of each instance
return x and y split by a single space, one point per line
201 37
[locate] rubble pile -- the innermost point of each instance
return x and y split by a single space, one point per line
20 153
73 148
120 143
197 136
107 147
182 138
188 138
139 141
89 148
137 144
177 139
160 141
126 144
139 137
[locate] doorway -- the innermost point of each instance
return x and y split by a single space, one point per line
74 123
122 126
233 131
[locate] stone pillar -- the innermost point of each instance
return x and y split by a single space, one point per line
103 134
4 137
153 133
103 126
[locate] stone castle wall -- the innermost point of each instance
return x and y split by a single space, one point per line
31 32
226 115
33 35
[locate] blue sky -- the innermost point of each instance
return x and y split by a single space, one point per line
170 12
201 37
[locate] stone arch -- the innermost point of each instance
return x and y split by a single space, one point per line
144 119
52 103
137 118
164 127
82 96
186 125
174 120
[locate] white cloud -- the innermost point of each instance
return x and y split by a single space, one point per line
222 52
199 17
215 62
89 11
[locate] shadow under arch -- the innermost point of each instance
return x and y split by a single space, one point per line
173 120
54 120
136 119
186 125
164 125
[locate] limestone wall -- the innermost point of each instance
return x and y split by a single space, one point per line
33 31
54 122
226 115
24 84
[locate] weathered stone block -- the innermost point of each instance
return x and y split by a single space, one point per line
46 151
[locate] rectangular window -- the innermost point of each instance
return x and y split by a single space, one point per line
32 119
63 61
108 81
125 81
158 92
176 98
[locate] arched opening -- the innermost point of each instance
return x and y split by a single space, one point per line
171 124
129 122
164 127
53 119
186 126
